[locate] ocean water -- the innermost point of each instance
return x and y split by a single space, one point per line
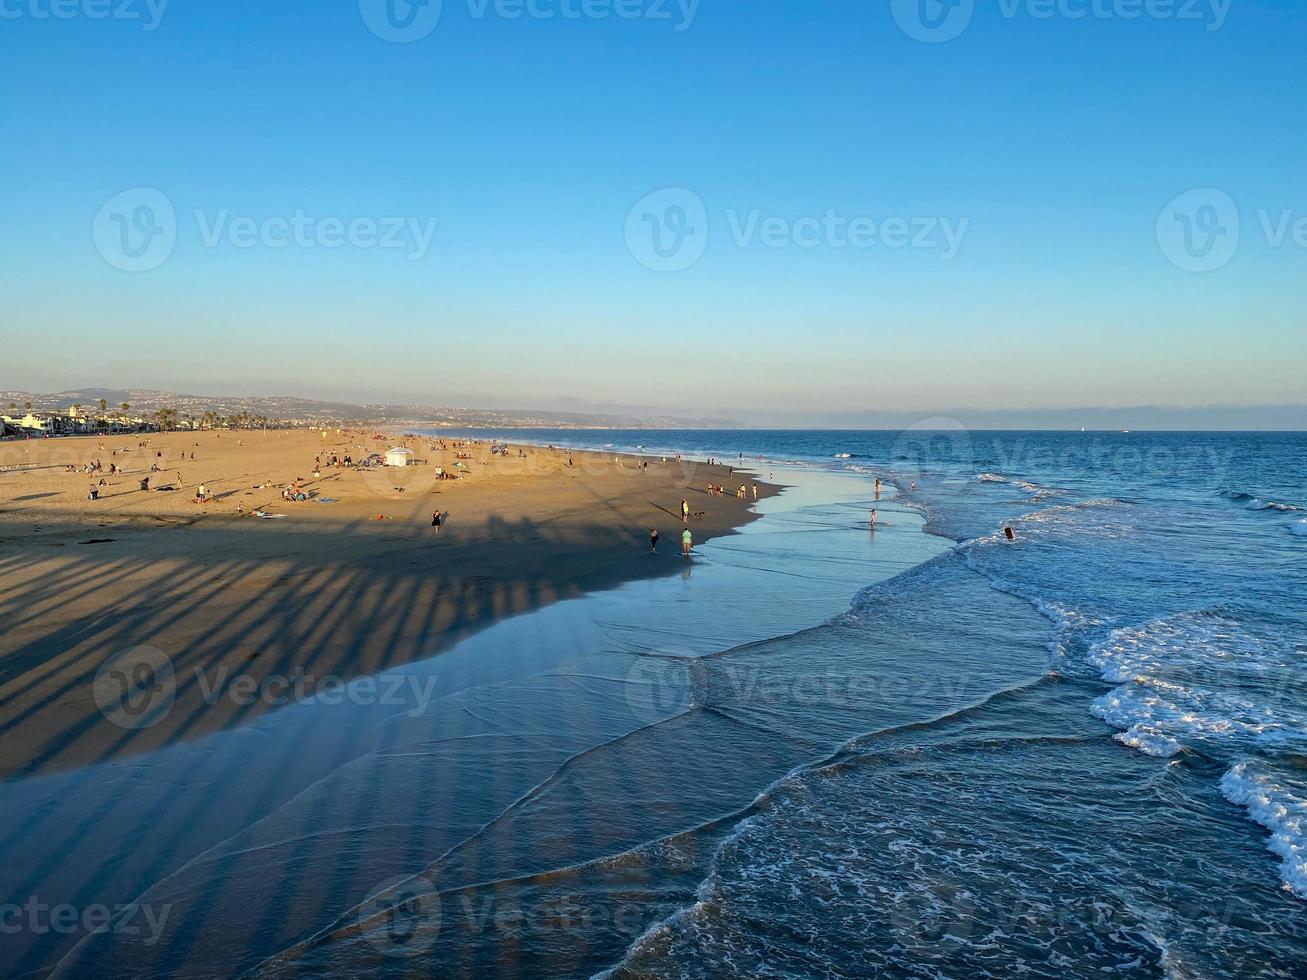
1136 804
817 749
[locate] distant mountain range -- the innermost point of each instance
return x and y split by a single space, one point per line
306 411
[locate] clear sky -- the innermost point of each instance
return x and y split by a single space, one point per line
1035 151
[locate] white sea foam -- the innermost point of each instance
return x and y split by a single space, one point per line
1280 812
1149 741
1259 504
1299 528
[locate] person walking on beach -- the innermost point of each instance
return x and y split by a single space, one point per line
435 521
653 540
685 511
687 542
755 492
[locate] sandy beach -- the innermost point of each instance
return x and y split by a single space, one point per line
335 589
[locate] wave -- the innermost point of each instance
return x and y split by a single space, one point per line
1036 489
1279 811
1259 504
1252 501
1201 679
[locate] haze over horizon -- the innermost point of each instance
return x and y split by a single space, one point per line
1287 417
779 214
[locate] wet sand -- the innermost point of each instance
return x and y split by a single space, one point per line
333 590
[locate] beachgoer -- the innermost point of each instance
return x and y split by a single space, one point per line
755 491
877 488
685 511
653 540
873 517
1009 534
687 542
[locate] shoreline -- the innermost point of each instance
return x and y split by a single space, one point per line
331 591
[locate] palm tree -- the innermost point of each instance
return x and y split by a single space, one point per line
125 407
104 406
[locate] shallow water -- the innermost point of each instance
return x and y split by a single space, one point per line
813 749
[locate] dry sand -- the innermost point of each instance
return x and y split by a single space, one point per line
328 591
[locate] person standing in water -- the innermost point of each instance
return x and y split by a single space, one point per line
873 517
877 488
653 540
687 542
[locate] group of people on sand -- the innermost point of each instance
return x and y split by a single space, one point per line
716 490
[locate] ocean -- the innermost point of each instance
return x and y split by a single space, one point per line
819 749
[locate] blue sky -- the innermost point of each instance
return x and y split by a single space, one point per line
1050 145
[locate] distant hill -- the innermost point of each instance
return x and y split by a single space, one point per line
305 411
